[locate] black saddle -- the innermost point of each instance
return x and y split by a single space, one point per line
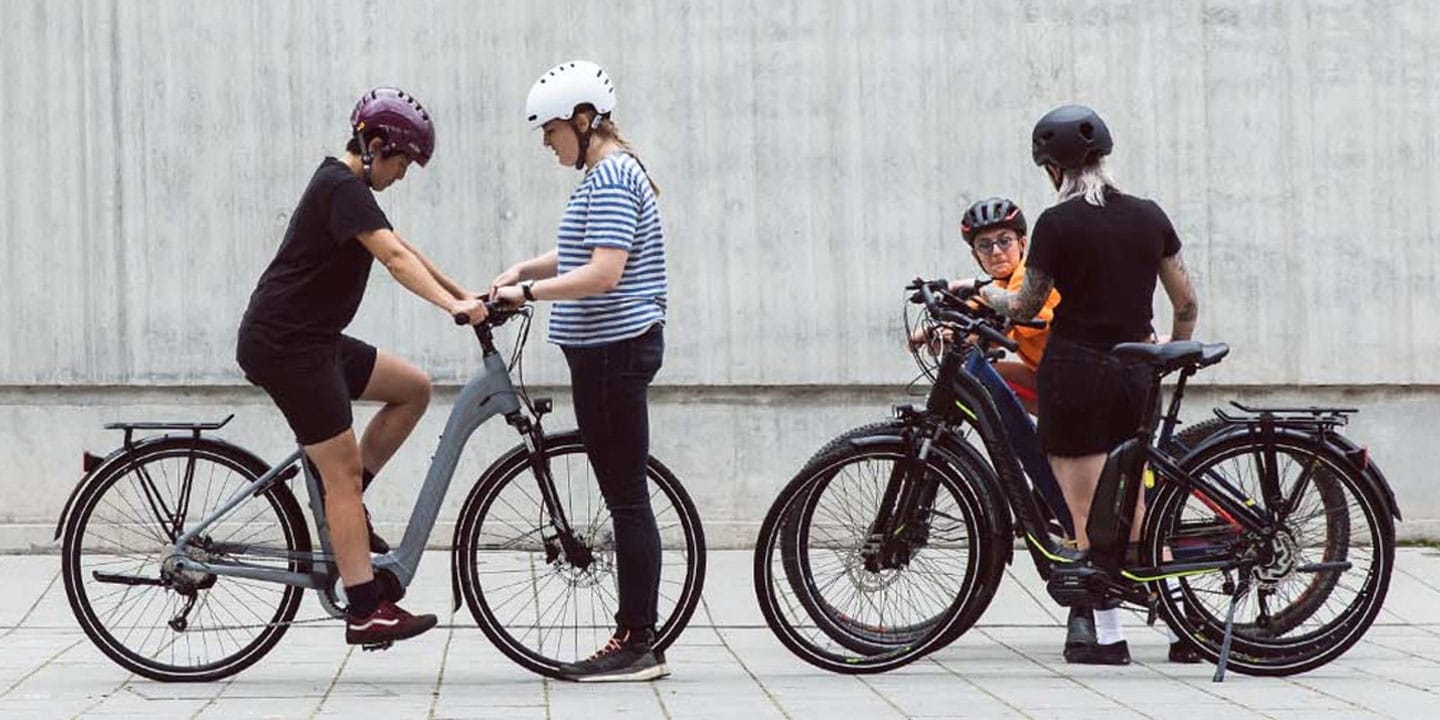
1173 355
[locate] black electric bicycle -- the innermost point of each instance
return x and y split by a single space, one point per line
185 557
905 528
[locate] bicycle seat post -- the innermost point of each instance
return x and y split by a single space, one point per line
1172 414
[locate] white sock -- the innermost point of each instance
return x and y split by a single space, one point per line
1107 627
1171 636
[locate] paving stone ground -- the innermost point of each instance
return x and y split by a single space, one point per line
727 665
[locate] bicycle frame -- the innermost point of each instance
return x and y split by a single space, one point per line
959 397
489 393
1023 439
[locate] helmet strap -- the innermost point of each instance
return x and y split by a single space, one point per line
584 140
366 158
1056 174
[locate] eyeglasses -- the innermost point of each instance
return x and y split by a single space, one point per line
985 247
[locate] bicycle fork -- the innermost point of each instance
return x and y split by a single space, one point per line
564 541
901 525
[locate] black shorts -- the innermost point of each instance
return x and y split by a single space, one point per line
313 388
1090 402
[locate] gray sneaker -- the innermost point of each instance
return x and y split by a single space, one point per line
628 657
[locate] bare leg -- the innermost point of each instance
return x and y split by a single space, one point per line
338 460
1078 477
405 390
1017 373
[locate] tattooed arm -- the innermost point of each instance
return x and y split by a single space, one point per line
1024 303
1176 280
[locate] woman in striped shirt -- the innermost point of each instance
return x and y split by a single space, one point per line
607 276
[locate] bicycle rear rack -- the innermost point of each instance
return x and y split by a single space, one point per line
1288 417
195 428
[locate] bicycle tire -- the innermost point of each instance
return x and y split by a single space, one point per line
863 638
483 602
1331 495
1258 648
835 646
101 626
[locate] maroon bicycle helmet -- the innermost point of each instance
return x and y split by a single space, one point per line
399 118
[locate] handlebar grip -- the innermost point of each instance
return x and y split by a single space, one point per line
461 318
994 336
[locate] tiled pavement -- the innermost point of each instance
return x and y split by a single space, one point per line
727 665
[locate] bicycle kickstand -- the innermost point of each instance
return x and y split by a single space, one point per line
1241 590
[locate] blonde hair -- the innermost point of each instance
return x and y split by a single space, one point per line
1089 181
607 130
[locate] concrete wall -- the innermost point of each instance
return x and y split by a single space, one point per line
813 157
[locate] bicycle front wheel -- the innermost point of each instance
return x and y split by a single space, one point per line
118 561
543 603
831 600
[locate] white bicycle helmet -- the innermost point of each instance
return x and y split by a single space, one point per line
566 86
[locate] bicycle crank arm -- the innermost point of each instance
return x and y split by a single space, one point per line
119 579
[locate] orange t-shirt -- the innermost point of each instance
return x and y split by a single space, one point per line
1032 340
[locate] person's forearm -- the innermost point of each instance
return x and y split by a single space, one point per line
584 281
1183 325
445 282
541 267
409 270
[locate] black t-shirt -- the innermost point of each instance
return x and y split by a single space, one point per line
1105 262
312 288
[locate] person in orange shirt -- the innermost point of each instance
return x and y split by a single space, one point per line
994 228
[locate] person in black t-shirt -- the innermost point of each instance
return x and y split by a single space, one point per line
1103 250
291 341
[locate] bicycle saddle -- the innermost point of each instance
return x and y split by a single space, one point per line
1173 355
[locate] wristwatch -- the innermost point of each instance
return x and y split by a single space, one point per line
525 289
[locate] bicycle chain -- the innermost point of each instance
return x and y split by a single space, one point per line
256 626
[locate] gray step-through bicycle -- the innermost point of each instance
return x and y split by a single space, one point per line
185 557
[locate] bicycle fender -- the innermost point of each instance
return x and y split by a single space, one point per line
122 454
1347 450
1359 457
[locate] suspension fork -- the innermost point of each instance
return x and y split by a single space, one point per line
908 494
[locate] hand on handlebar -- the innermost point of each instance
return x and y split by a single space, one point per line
504 279
510 296
473 310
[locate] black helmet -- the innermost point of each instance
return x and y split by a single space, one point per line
1070 136
991 213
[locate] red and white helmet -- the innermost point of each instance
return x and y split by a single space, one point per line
565 87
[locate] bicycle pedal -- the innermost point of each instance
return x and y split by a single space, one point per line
372 647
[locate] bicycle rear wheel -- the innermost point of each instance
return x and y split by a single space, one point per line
117 561
1328 566
834 607
539 605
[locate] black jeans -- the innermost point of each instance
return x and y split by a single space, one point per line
610 384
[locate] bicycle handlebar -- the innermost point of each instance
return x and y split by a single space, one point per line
495 315
927 292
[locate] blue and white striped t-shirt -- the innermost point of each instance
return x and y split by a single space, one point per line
614 206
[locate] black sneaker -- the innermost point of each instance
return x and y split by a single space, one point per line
628 657
387 624
1079 628
378 546
1097 654
1184 652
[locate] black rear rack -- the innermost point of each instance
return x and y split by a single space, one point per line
1307 417
195 428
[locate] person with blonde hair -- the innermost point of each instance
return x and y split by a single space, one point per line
607 278
1103 250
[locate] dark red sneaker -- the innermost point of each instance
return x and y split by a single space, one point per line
387 624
